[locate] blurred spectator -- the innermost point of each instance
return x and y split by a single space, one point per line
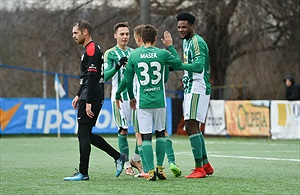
292 91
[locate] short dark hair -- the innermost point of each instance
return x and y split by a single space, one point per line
138 29
120 24
83 24
186 17
148 33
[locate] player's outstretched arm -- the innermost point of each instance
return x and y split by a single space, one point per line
108 74
197 66
167 40
110 71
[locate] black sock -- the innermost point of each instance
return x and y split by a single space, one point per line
84 130
100 143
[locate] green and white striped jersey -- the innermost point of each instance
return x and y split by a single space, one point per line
149 66
111 58
195 51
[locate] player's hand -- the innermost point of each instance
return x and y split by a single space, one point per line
122 62
167 40
88 110
133 104
75 102
118 103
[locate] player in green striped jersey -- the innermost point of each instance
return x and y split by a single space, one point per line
148 63
122 86
196 90
115 60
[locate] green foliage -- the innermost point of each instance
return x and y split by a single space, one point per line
37 165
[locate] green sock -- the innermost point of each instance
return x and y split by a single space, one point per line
141 153
205 160
123 144
148 154
160 150
169 150
196 149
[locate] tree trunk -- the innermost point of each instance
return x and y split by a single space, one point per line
219 14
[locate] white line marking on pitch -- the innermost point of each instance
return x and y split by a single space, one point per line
244 157
255 158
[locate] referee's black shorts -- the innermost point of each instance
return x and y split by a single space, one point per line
83 117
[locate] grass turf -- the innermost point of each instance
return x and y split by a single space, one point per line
38 164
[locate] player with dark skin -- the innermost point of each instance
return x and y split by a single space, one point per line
197 89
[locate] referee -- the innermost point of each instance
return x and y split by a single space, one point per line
89 101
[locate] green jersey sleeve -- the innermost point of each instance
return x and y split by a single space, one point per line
109 69
129 74
173 59
196 66
175 54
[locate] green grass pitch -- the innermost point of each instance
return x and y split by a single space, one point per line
38 164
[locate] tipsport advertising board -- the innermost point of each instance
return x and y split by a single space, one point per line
40 116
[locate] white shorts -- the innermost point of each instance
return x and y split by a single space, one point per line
122 116
195 106
151 119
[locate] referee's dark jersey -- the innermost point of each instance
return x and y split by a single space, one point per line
92 74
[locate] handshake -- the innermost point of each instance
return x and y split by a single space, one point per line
122 62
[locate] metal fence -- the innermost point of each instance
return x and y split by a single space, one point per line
19 81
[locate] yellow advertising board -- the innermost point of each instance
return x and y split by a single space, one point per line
247 118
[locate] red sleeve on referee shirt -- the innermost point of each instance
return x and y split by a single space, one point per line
90 49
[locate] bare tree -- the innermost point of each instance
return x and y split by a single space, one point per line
234 29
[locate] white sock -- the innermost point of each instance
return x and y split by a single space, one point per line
136 157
